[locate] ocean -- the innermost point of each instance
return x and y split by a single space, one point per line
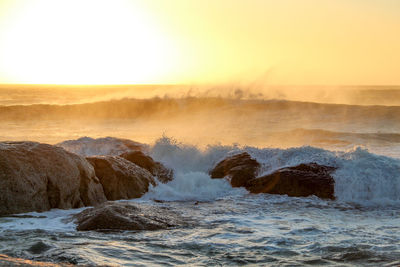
356 130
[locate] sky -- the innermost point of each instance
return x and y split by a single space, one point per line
296 42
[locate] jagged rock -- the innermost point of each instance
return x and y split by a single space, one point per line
239 168
107 146
39 177
298 181
121 179
157 169
126 216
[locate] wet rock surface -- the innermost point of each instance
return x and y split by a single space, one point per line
239 168
126 216
120 178
39 177
162 173
298 181
39 247
11 261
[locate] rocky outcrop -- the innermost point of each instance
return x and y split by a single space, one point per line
121 179
298 181
238 168
39 177
158 170
126 216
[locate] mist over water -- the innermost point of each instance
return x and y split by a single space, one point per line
26 94
207 116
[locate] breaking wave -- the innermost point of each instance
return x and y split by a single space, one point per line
167 107
361 177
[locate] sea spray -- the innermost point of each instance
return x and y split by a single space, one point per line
193 186
366 178
361 177
185 157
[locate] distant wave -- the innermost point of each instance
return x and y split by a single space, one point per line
165 108
338 138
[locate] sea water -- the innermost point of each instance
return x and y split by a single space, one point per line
228 226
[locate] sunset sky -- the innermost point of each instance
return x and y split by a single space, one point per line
329 42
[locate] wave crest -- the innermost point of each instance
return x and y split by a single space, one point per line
361 177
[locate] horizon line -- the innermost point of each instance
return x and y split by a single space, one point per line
194 84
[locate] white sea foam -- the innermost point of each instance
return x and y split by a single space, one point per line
53 220
367 178
361 176
193 186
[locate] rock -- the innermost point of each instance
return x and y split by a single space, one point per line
39 247
126 216
157 169
121 179
107 146
239 168
39 177
298 181
11 261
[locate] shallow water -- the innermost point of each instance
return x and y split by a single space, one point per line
239 230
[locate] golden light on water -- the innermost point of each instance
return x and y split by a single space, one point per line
183 41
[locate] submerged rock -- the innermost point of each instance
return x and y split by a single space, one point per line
39 177
298 181
121 179
126 216
239 168
39 247
157 169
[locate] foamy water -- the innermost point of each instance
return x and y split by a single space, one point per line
237 230
228 225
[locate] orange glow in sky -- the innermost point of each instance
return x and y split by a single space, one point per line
187 41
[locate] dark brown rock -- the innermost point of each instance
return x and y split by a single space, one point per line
39 177
121 179
239 168
158 170
126 216
298 181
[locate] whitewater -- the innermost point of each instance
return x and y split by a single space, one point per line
227 226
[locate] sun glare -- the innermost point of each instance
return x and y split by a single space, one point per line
85 42
193 41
